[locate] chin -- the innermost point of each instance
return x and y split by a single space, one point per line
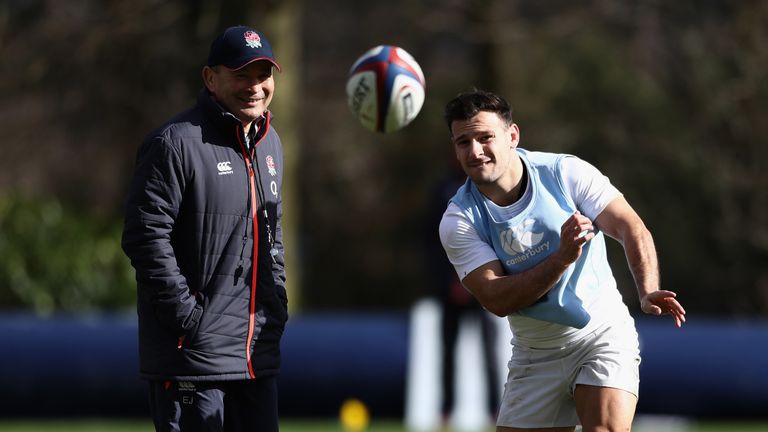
251 114
485 177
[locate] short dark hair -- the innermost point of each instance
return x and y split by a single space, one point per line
469 104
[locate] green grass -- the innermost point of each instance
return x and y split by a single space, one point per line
99 425
75 425
104 425
728 427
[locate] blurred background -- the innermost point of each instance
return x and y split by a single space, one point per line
668 99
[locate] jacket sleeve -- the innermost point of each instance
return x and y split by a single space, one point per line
152 207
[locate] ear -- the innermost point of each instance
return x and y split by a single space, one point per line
209 78
514 135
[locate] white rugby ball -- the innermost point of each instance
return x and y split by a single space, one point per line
385 88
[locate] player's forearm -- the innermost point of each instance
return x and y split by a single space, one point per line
505 294
641 257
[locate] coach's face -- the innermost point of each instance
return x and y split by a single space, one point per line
485 147
244 92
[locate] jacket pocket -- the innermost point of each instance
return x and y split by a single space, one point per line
188 338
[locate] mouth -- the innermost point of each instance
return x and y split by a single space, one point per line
478 163
252 101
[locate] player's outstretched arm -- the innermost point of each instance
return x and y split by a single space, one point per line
622 223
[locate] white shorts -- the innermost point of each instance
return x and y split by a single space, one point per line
541 382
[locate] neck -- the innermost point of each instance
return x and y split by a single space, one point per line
253 124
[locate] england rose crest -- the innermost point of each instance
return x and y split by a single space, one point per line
271 165
252 39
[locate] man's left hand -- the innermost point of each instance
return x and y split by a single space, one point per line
663 302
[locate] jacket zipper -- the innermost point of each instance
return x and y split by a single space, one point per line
254 271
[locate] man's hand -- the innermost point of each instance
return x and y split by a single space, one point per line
663 303
575 232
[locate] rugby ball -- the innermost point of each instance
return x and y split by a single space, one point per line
385 88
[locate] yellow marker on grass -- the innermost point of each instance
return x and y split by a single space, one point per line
354 415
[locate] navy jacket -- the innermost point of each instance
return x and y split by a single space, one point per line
194 211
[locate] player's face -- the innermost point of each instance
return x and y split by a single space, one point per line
245 92
485 147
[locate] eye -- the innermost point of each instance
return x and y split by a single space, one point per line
486 138
463 142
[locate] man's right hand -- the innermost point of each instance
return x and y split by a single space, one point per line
574 233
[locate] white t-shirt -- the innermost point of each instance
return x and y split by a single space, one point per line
591 191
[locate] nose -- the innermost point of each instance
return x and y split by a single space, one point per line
476 148
255 84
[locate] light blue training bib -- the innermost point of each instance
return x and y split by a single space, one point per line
530 236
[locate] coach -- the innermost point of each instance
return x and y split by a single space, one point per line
202 230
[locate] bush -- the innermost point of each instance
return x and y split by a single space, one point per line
57 259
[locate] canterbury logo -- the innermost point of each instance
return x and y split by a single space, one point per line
520 238
224 168
186 386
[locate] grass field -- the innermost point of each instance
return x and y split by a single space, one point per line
97 425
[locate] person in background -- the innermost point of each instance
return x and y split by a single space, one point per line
457 304
526 235
203 232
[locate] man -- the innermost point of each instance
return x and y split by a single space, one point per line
203 231
525 235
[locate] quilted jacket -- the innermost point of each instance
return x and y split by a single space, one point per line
202 230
